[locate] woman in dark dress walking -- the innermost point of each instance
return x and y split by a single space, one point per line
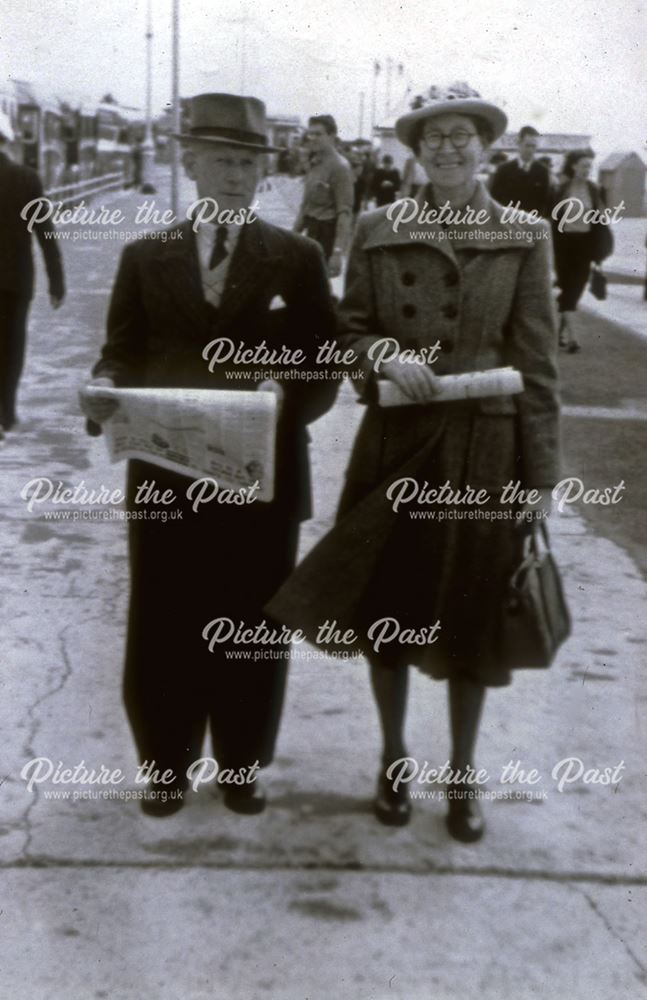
578 243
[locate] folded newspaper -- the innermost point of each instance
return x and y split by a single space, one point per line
226 434
470 385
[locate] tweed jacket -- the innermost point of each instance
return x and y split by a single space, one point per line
18 186
483 292
159 323
493 308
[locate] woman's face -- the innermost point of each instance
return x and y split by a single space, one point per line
582 168
450 164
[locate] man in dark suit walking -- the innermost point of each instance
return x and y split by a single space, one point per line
256 284
523 180
18 186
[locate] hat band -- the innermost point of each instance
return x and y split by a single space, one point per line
234 134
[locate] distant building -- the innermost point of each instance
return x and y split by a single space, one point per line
622 175
550 143
284 130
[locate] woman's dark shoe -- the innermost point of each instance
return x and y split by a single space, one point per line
392 808
573 347
464 819
161 802
248 799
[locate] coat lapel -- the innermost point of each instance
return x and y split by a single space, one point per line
180 272
408 232
415 230
251 268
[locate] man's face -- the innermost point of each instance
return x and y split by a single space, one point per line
528 147
319 139
582 169
225 173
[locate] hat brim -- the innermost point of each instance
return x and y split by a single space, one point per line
407 127
187 137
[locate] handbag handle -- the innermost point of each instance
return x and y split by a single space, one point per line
530 546
530 553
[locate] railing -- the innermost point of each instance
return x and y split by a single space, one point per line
84 189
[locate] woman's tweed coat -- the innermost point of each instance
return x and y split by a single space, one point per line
484 292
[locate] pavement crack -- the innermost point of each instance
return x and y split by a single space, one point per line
226 864
33 723
642 969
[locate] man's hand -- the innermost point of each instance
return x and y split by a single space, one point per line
417 381
56 301
335 264
95 405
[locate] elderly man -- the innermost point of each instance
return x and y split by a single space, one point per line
327 208
253 283
18 186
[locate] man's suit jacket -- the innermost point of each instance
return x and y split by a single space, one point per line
530 188
18 186
159 323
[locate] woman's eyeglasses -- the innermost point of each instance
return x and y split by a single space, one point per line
459 138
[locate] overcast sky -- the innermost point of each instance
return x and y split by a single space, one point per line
572 66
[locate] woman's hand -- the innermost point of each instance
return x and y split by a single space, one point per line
416 380
95 405
271 385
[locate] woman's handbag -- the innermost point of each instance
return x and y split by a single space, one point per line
535 620
602 242
598 285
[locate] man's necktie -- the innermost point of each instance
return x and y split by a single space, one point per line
219 251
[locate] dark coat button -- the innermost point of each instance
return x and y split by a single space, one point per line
451 279
409 311
450 311
408 278
447 346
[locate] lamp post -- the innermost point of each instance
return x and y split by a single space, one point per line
148 147
376 70
175 97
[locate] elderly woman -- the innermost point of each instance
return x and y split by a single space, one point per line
418 581
578 241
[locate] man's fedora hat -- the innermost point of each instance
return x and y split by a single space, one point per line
457 99
229 119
